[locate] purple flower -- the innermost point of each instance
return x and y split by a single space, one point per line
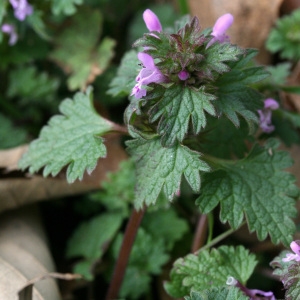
295 246
252 293
183 75
148 74
11 31
151 20
265 115
21 9
219 29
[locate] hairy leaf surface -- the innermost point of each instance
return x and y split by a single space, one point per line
235 95
289 274
210 269
258 187
220 293
160 168
72 138
177 107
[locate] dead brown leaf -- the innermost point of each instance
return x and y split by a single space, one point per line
252 20
24 255
26 292
17 189
9 158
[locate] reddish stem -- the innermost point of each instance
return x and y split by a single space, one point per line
128 240
200 233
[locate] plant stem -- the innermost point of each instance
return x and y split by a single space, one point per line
218 239
128 240
200 233
119 128
210 218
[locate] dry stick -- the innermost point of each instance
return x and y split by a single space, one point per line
128 240
200 234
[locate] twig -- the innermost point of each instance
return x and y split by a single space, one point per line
26 291
128 240
200 233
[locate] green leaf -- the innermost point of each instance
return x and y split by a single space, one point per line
197 272
217 55
2 11
136 283
258 187
25 51
280 267
286 125
220 293
292 117
99 62
235 96
118 190
73 138
67 7
160 168
90 241
171 227
289 274
222 139
30 85
84 268
291 89
278 76
285 37
11 136
78 51
35 20
124 81
90 238
177 108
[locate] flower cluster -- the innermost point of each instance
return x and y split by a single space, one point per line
265 115
22 9
295 246
150 73
11 31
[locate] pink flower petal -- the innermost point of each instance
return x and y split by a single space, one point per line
222 24
295 247
10 30
271 104
147 60
151 20
183 75
219 29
